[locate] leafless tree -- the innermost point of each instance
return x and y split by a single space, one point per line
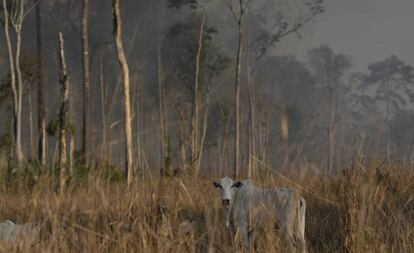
195 120
239 16
104 144
267 24
161 107
125 76
331 68
63 115
15 17
41 84
86 84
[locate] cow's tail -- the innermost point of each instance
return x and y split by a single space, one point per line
301 224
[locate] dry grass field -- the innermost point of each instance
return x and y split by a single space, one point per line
363 209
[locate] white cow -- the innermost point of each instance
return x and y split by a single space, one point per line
249 207
10 232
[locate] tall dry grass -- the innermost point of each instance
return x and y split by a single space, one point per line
362 209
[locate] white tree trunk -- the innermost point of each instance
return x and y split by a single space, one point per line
64 80
127 101
16 18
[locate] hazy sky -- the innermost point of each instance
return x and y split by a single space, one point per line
368 30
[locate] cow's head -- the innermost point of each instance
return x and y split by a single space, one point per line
227 189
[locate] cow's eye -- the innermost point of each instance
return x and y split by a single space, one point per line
237 184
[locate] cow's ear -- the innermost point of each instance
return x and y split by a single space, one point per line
217 185
238 184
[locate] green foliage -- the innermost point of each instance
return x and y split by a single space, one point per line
26 177
52 128
6 137
274 22
30 69
289 83
112 173
182 41
108 172
6 94
390 78
71 129
30 175
328 67
80 173
6 140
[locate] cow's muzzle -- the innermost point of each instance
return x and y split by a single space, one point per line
226 202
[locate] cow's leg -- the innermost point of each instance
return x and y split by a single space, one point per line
287 220
301 224
244 237
242 232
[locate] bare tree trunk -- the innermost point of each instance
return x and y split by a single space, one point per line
225 143
161 104
263 132
195 121
237 109
18 31
236 171
127 102
64 80
183 136
387 122
41 109
71 152
332 128
139 165
203 135
16 18
71 132
252 116
10 157
86 88
31 124
104 144
284 126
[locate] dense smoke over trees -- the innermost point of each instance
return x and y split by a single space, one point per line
183 58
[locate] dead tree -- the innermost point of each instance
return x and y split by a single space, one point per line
139 165
71 129
41 84
163 125
31 124
86 84
195 121
252 104
125 76
16 19
239 18
63 114
104 144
